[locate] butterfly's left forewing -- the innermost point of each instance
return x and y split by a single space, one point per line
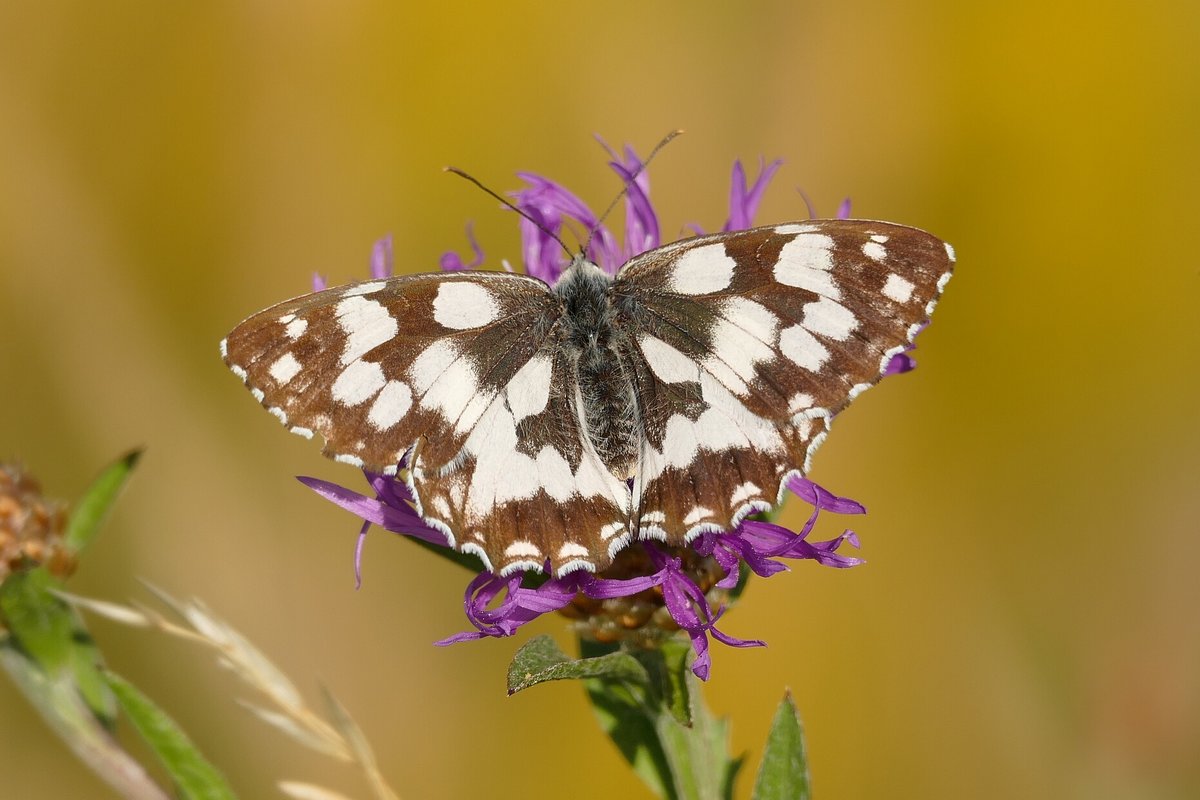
373 366
746 344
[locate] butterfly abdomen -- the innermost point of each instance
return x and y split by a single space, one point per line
605 385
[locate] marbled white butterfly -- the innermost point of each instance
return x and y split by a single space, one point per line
558 423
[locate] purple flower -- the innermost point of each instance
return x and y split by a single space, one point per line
452 262
651 590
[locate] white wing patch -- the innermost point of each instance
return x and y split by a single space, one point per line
802 348
285 368
805 262
829 318
501 472
433 361
357 383
295 328
741 339
702 270
461 305
529 390
875 250
366 323
666 362
726 423
393 402
898 289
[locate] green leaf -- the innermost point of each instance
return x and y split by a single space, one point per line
93 507
628 719
676 680
784 769
541 660
52 636
87 669
698 755
194 776
39 622
663 729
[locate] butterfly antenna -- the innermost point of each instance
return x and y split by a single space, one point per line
508 204
625 189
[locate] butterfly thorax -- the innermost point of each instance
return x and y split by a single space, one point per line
599 347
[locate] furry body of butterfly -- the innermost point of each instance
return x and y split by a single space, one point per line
600 348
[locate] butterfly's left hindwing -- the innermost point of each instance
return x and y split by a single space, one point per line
767 333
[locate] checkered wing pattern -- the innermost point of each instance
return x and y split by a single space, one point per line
463 372
750 342
557 425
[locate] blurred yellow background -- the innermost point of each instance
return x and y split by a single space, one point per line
1027 624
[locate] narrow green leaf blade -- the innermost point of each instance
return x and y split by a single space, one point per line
783 773
541 660
39 622
676 677
194 776
87 668
93 507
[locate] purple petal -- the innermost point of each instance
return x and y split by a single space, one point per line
743 201
358 551
452 261
734 641
374 511
812 210
382 263
843 211
544 194
738 219
553 202
900 363
519 606
824 553
543 256
641 221
815 495
318 282
607 588
465 636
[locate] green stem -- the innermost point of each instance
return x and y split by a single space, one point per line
58 700
663 728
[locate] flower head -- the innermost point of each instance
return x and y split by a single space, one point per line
31 527
651 590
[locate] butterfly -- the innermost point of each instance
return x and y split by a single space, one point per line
551 426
